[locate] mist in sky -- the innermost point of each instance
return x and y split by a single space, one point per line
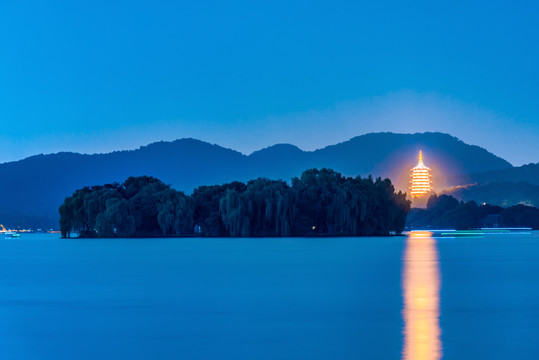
103 76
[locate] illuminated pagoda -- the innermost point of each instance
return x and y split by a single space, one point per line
421 183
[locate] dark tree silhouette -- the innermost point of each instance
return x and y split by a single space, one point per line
319 202
445 211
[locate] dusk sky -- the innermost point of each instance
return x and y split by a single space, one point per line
97 76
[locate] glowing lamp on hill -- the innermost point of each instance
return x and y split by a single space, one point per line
421 183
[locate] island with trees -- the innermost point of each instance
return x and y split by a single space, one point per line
318 203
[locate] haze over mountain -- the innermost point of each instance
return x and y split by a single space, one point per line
41 182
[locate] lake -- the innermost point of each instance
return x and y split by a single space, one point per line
416 297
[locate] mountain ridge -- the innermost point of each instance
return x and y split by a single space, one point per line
38 184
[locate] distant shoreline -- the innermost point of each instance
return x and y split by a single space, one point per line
237 237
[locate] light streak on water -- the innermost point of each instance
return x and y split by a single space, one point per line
421 287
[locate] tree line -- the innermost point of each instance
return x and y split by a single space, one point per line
319 202
446 212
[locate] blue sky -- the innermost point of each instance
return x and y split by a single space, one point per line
99 76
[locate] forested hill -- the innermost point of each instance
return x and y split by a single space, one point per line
320 202
36 185
498 193
446 212
503 187
526 173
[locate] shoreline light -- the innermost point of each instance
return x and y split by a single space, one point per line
420 183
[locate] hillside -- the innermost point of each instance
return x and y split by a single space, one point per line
383 154
526 173
498 193
37 185
503 187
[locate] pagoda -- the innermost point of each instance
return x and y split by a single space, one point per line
421 183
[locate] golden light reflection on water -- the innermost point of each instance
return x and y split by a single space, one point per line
421 286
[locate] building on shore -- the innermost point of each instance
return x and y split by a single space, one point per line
420 182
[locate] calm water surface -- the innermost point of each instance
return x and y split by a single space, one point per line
413 297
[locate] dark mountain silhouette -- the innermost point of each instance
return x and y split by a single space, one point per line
383 154
525 173
37 185
503 187
497 193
